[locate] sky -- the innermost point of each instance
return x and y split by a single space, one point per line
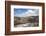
22 12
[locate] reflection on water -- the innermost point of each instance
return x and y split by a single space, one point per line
27 25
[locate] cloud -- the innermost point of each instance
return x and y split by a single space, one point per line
29 13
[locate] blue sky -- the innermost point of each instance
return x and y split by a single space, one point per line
21 12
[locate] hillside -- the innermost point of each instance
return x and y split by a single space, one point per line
24 20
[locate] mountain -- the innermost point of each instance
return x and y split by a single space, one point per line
23 20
